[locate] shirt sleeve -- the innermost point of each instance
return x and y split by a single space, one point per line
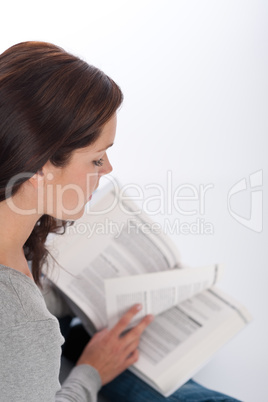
82 384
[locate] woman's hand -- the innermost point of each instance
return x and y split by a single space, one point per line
109 352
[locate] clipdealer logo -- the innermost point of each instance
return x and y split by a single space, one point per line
183 206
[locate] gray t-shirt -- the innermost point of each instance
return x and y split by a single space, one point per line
30 348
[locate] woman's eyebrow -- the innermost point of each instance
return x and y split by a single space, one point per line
106 147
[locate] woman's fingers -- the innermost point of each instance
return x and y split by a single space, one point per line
131 347
110 352
136 332
133 358
125 320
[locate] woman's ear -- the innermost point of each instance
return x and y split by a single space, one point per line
37 179
47 171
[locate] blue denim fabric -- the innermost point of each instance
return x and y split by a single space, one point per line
129 388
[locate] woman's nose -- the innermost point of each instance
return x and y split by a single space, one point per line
107 167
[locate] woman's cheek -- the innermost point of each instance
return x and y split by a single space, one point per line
91 181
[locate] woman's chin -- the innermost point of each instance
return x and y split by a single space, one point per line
72 215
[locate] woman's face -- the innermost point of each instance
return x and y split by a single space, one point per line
68 189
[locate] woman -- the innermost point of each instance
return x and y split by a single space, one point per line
57 120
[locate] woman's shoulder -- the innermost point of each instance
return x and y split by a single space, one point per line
20 300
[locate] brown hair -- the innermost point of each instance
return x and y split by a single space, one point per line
51 103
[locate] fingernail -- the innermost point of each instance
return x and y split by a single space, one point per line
151 317
139 307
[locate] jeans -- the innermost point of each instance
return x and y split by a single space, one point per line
129 388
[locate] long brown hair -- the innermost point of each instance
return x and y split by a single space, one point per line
51 103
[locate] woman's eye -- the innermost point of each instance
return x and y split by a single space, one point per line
99 162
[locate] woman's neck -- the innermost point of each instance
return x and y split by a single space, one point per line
15 228
18 264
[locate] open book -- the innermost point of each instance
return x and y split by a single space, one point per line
113 258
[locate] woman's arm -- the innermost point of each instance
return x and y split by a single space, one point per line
82 384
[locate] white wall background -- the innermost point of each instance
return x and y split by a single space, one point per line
194 76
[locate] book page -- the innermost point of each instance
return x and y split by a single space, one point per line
107 243
181 340
157 292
